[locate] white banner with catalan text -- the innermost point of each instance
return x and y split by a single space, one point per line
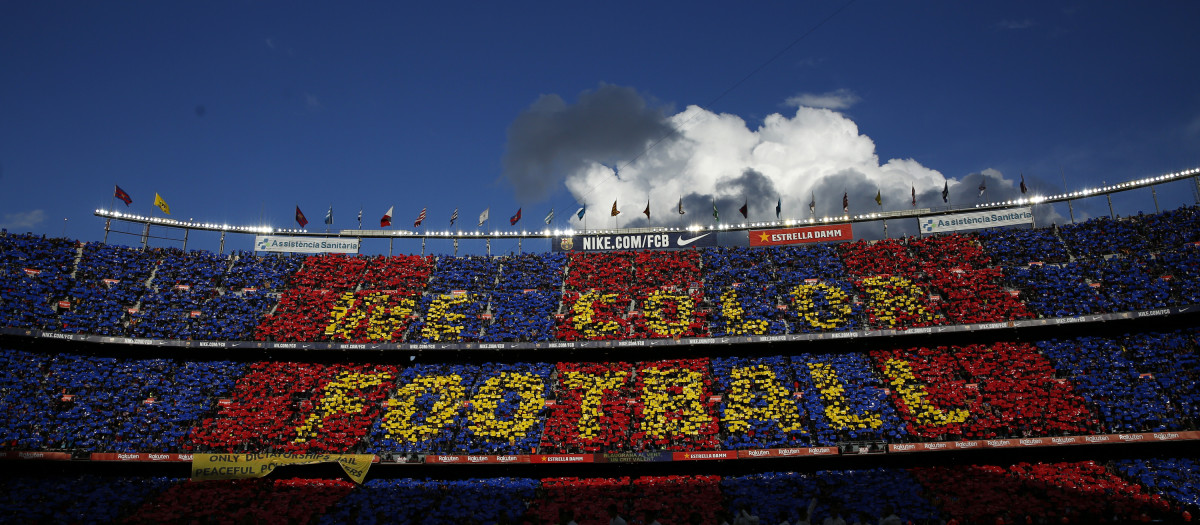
977 220
275 243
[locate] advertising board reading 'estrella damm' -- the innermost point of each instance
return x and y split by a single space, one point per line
804 235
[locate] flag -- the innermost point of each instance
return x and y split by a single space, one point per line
615 211
483 217
778 206
513 220
387 218
120 194
716 216
878 198
681 212
1023 187
420 218
647 210
300 219
549 217
744 210
914 192
454 216
846 202
582 210
982 187
946 191
162 205
812 204
329 215
360 217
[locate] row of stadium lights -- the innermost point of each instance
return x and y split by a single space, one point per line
400 233
1037 199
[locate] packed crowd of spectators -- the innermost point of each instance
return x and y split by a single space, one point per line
435 502
632 295
1099 266
1124 491
78 402
33 271
862 496
1082 492
1141 382
672 500
298 408
526 298
491 408
86 498
243 501
1175 479
846 400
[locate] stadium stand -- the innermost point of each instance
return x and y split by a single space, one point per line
991 276
718 402
1070 492
1141 382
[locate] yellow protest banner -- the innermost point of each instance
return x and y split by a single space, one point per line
241 466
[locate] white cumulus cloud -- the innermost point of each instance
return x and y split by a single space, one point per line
704 158
814 154
22 220
837 99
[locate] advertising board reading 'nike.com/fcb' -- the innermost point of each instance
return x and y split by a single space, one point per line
637 241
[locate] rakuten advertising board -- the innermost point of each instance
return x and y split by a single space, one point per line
275 243
634 241
977 220
803 235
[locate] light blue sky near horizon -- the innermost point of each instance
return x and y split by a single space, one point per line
236 112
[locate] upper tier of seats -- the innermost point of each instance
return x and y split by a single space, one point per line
1101 265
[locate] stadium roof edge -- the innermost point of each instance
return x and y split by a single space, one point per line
744 226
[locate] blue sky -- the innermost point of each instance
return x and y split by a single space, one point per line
238 111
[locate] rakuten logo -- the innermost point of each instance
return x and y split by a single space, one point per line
1028 442
1095 439
448 459
1130 437
129 456
759 453
904 448
999 442
1165 436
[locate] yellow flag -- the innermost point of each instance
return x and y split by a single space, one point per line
162 205
878 198
615 211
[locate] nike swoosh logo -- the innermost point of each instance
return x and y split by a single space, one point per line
685 242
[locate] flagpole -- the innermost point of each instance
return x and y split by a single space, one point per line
1109 196
1069 207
